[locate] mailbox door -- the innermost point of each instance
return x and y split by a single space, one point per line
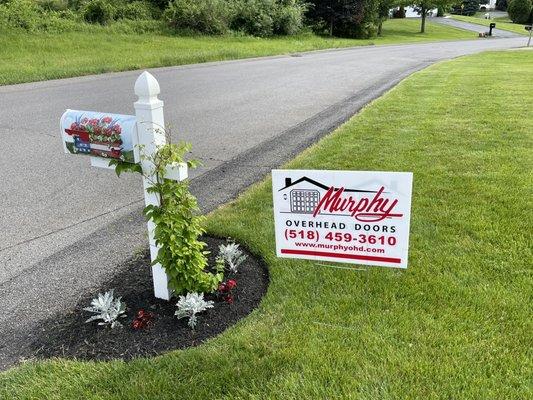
105 135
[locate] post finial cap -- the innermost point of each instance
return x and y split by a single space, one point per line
146 86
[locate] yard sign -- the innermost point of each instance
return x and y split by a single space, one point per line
343 216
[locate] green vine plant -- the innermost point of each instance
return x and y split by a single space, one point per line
178 225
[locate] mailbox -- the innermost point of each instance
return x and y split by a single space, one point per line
103 135
491 27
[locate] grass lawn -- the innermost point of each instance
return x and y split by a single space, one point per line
456 325
33 57
481 14
506 26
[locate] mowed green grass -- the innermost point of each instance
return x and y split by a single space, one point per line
455 325
33 57
506 26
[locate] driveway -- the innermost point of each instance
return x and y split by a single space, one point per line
65 226
496 33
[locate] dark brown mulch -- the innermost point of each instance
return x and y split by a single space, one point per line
68 335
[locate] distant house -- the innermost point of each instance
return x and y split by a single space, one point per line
490 5
411 12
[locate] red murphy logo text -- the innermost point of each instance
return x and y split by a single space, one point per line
364 209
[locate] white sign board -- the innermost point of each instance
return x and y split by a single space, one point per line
343 216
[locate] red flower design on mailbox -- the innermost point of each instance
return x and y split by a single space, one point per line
97 136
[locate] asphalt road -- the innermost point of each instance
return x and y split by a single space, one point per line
64 226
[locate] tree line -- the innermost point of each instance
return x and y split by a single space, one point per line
262 18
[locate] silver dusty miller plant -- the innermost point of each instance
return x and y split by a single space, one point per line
232 255
107 308
190 305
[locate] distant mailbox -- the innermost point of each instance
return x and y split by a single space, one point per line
491 27
99 134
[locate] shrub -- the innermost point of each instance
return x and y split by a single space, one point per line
24 14
53 5
501 5
289 18
98 11
161 4
346 18
33 16
267 17
57 22
205 16
467 7
519 11
470 7
136 10
254 17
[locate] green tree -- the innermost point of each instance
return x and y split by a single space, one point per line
345 18
423 7
519 11
501 5
384 8
470 7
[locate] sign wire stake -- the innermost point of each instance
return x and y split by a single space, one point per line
340 267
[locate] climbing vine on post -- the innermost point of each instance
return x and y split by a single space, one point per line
178 225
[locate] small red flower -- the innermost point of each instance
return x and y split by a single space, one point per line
117 128
74 126
231 284
225 290
107 120
228 299
222 288
137 324
144 319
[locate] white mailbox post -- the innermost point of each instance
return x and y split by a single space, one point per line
83 131
150 129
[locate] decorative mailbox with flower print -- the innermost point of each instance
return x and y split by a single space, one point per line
100 135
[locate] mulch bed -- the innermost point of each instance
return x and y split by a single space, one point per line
68 335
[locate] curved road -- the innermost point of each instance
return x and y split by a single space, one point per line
64 226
